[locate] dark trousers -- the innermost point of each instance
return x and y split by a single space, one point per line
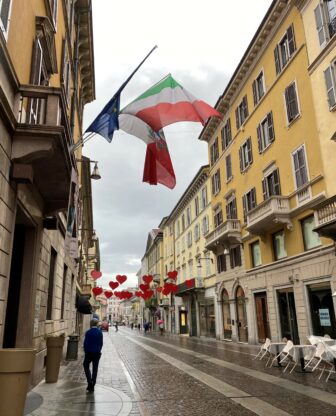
91 357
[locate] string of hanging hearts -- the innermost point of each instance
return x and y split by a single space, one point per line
165 103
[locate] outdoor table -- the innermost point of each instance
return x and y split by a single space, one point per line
332 352
314 340
275 349
298 353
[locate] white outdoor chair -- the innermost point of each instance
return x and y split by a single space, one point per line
309 356
284 353
264 349
328 359
320 350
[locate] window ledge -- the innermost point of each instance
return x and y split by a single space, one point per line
289 125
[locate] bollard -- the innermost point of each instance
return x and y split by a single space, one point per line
72 348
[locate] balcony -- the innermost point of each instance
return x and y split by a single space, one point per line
41 144
226 234
164 302
325 218
264 216
195 285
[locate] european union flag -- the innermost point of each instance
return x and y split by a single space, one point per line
107 121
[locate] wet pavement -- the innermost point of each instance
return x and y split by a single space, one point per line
153 375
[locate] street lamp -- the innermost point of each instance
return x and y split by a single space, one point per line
95 172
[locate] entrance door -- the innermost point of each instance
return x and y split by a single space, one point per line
262 316
227 327
322 310
193 318
241 315
183 322
287 313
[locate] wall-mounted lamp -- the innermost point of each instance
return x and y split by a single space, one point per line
95 172
226 251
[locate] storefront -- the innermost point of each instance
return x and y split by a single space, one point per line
207 318
227 324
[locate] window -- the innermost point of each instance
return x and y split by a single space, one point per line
311 239
197 232
241 112
170 230
5 8
52 270
183 243
190 269
284 50
65 271
189 238
204 194
245 154
271 184
205 225
207 264
325 18
178 229
258 88
279 249
221 263
292 105
330 81
249 202
255 254
265 132
66 70
231 208
214 152
183 222
235 257
218 216
188 216
300 167
215 181
178 248
228 167
226 134
197 210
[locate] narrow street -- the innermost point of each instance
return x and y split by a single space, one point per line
153 375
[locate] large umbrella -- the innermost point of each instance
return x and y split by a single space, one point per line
160 321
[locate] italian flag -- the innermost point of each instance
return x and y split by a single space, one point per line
165 103
168 102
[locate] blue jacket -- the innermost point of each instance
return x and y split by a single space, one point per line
93 341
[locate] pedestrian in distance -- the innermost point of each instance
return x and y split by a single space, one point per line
93 344
146 327
161 328
132 325
149 326
116 326
139 327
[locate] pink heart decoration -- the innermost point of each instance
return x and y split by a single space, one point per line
95 274
113 285
144 287
190 283
97 290
173 274
108 293
121 278
147 278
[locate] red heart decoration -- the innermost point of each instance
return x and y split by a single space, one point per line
147 278
148 294
97 290
159 289
144 287
95 274
174 288
190 283
173 274
165 291
113 285
108 293
121 278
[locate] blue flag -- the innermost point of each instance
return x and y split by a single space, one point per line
107 121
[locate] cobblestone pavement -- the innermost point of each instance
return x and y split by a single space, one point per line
171 375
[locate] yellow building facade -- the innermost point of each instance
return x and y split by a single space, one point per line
46 77
269 171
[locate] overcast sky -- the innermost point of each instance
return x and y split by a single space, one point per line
200 43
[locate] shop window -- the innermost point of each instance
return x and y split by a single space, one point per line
256 254
279 249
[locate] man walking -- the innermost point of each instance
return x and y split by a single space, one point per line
93 343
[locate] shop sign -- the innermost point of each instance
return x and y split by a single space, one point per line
324 317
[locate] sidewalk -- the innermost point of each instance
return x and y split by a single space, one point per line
112 395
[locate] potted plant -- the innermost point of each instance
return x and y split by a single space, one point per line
16 365
55 345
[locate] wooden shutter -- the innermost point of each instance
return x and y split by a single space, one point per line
297 169
222 137
264 188
227 209
237 118
238 256
229 136
37 59
330 85
244 208
232 258
321 28
254 89
291 40
249 150
270 127
213 185
245 107
4 14
277 60
241 159
253 198
234 209
260 146
276 178
228 167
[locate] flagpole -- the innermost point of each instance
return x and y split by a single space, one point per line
85 139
